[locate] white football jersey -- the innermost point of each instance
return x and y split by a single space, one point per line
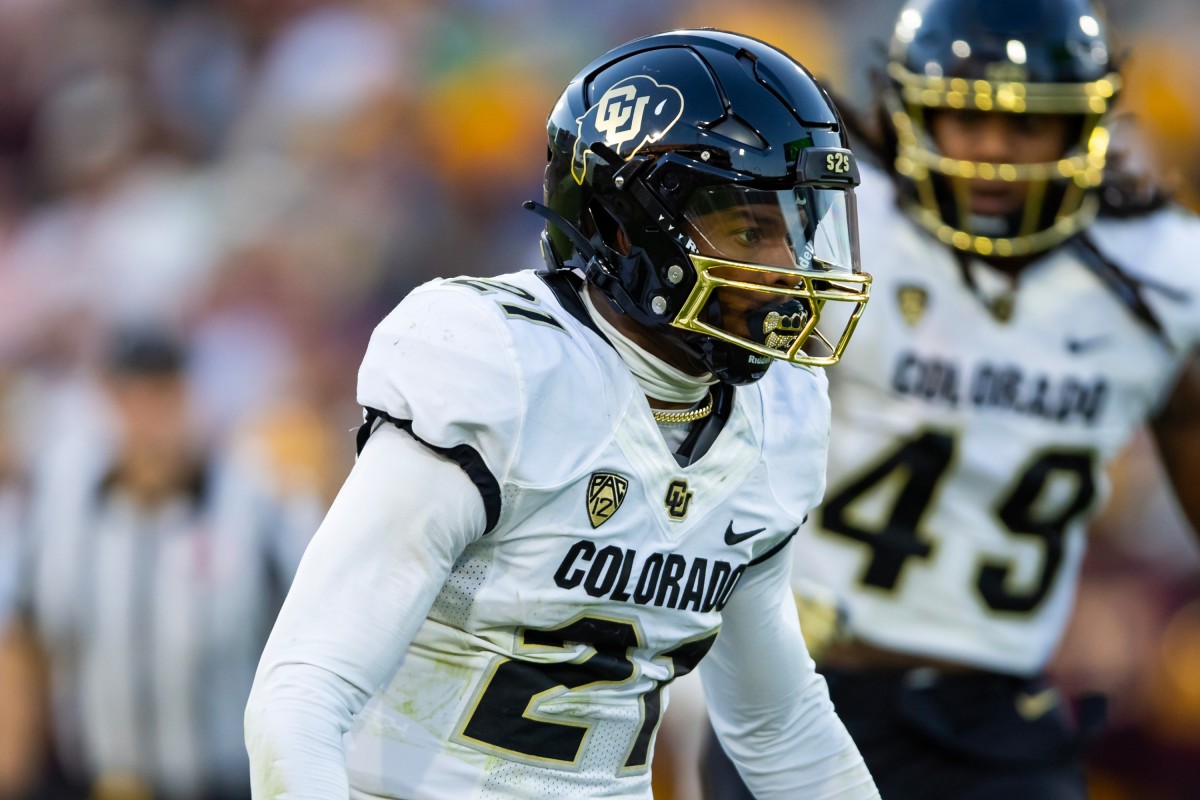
540 671
969 450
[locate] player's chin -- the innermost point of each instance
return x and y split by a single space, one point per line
742 312
993 202
736 318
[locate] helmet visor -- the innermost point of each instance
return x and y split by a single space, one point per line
803 228
767 263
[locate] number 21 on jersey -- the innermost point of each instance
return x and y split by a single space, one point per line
506 718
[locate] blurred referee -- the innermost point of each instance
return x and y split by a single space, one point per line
156 566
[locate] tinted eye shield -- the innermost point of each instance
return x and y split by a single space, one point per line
797 244
820 174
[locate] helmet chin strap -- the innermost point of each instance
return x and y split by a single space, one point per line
657 378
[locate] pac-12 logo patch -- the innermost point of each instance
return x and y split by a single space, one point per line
605 493
632 113
912 300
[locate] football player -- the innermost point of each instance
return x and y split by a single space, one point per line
571 481
1031 310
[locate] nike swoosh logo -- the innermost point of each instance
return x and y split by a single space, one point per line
1032 706
1083 344
732 538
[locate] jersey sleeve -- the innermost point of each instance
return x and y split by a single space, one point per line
769 707
363 589
797 412
1180 308
441 366
1159 252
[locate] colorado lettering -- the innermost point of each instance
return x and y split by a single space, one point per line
931 378
1001 386
1061 400
669 580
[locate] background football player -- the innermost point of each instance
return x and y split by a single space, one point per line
1032 310
569 481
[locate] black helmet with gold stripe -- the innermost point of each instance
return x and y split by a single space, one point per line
1011 57
702 181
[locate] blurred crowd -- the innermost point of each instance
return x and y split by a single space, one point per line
206 205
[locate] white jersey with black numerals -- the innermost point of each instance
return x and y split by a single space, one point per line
541 667
968 451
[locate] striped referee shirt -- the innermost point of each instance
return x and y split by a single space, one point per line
153 619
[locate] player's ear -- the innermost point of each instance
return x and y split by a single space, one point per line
610 229
623 243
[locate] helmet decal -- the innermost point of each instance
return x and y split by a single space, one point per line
638 108
804 259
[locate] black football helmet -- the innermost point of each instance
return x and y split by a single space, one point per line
676 162
1010 57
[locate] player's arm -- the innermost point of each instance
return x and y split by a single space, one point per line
1177 435
769 707
363 588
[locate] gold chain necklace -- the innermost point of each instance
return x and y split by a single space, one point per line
684 416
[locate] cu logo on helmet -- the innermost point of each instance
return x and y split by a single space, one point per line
637 109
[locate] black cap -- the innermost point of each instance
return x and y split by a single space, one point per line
145 351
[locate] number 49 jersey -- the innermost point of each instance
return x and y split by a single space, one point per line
540 670
972 423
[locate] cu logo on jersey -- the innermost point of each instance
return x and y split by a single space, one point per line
678 499
638 109
605 494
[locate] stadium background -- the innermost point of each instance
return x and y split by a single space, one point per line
269 177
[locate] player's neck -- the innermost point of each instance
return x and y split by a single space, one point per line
1012 267
665 383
